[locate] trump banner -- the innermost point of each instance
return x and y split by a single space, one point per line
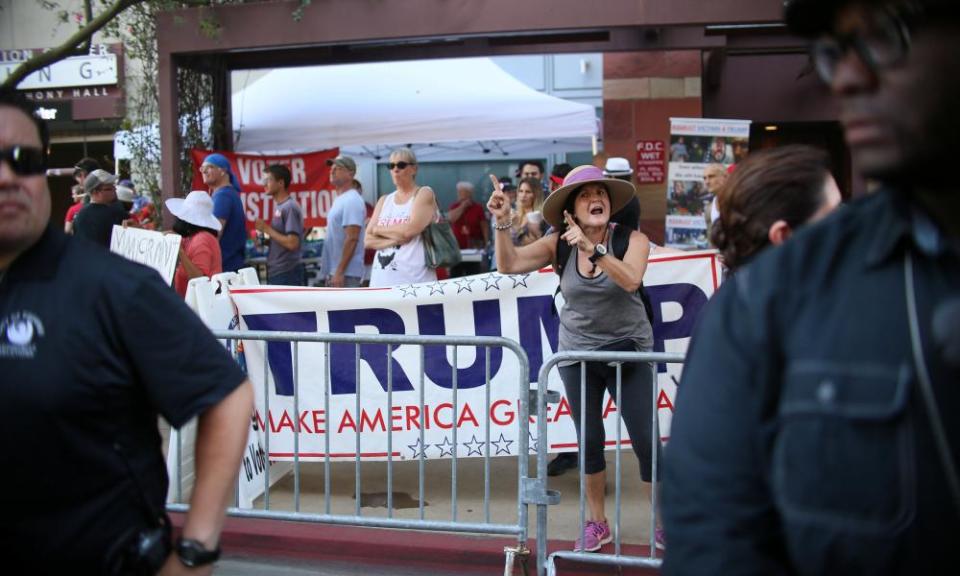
309 183
391 398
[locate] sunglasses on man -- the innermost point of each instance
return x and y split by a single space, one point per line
25 160
399 165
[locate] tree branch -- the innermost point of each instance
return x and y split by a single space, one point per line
63 50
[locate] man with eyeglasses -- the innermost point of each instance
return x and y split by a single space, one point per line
96 220
92 348
817 423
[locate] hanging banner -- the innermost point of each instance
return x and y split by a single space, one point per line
519 307
694 144
309 184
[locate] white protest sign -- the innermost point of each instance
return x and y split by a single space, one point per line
154 249
517 307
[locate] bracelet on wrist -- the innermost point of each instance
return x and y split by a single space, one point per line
507 224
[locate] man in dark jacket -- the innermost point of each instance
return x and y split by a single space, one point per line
817 424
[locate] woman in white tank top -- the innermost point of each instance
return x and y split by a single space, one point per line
398 220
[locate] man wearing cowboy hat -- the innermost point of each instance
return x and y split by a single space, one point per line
93 348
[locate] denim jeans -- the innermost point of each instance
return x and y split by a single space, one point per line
293 277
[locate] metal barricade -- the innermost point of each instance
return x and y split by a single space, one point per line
526 492
546 565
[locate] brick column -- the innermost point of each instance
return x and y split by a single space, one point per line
641 92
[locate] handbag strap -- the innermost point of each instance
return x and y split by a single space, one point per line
436 217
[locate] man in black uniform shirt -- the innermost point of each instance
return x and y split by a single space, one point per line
96 220
817 428
92 348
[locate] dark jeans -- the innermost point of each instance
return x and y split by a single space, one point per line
636 406
294 277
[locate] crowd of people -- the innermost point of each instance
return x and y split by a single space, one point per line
813 429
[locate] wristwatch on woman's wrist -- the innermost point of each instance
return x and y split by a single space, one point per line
193 553
599 251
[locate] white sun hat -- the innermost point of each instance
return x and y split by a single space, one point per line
617 166
196 209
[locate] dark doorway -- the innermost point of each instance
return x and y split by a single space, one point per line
66 155
825 135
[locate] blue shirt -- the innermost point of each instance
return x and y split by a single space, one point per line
227 206
801 443
348 210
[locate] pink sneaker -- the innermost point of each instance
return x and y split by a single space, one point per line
660 539
595 535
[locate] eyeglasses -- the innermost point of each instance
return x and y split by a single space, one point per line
885 42
25 160
399 165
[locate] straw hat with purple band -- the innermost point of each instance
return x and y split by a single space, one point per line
196 209
620 192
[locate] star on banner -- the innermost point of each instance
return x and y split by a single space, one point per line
409 290
519 280
418 449
474 446
463 284
436 288
491 281
502 440
446 443
532 443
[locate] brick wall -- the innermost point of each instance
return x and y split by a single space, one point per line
641 92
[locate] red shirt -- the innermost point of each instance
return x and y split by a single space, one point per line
469 227
203 249
72 211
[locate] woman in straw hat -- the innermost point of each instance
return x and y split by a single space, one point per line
199 249
603 310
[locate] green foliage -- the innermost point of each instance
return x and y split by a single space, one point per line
136 27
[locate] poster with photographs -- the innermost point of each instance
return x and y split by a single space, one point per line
696 143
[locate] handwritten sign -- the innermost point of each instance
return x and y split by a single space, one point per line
154 249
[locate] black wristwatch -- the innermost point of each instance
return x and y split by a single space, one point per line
599 251
193 553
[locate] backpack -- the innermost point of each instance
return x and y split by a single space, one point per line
619 241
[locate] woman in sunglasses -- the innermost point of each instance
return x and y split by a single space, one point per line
397 222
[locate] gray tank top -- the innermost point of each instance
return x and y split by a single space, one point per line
597 312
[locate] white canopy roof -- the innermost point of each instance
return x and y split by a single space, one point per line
452 108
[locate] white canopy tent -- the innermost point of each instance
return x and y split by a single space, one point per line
448 109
